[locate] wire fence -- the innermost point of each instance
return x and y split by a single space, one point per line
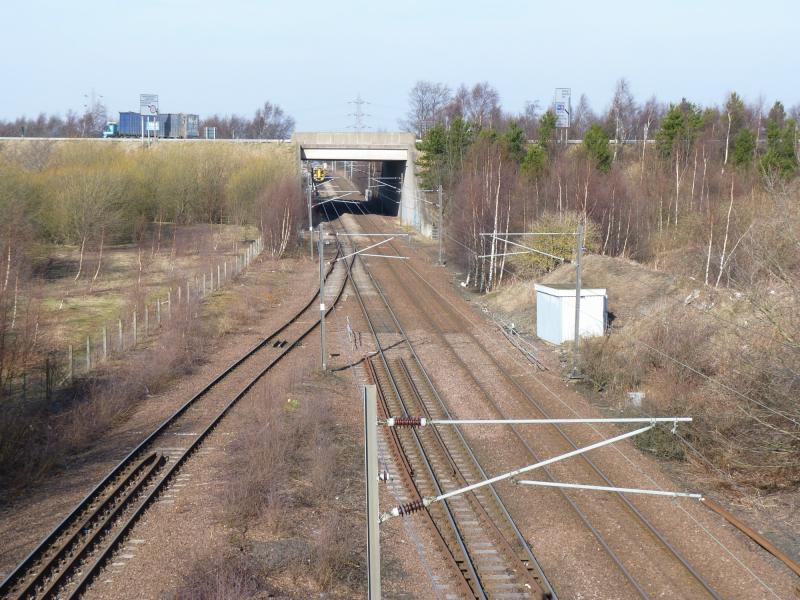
60 368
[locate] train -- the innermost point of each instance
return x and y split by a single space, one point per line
319 173
167 125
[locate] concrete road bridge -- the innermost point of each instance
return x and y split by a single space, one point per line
395 151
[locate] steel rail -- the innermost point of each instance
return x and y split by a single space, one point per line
533 562
88 574
101 488
470 567
524 544
534 403
518 534
138 477
520 538
409 472
479 593
531 559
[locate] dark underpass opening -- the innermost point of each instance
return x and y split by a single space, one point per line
356 186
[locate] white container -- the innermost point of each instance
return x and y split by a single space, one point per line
555 312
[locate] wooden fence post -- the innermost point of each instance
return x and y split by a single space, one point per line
48 377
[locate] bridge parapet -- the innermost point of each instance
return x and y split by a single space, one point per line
396 147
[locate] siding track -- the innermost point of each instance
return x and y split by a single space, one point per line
67 560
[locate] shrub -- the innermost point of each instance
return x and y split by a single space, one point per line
533 264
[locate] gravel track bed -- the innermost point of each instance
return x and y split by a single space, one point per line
631 470
29 517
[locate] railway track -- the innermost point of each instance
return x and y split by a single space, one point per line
68 559
665 568
477 530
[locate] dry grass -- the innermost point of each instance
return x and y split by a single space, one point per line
74 310
36 436
739 346
288 495
232 577
731 380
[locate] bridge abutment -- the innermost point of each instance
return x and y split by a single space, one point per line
396 151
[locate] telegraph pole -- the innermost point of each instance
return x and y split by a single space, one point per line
367 193
441 224
322 299
369 393
578 254
310 220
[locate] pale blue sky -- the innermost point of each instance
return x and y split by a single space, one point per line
312 57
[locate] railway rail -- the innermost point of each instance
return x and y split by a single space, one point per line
67 560
667 568
492 556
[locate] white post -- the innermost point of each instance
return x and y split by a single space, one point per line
369 393
105 343
578 253
320 249
310 222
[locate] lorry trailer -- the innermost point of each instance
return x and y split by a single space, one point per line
167 125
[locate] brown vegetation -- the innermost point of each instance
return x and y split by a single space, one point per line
36 436
730 358
713 201
99 233
288 498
